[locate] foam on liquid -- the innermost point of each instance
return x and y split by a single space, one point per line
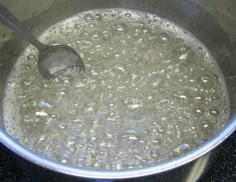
151 92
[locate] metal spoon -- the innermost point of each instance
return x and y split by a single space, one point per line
52 59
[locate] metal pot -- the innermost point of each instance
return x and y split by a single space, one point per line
213 24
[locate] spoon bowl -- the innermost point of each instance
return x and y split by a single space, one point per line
56 59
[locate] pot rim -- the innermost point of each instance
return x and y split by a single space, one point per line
197 152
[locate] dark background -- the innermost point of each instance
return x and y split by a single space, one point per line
16 169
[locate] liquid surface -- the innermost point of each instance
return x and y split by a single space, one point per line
151 92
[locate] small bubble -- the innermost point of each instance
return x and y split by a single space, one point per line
155 155
11 84
62 125
98 17
31 57
27 82
150 21
200 49
163 38
27 67
205 125
95 37
27 119
120 27
226 110
214 112
113 14
92 25
199 112
183 56
128 14
119 67
214 97
72 112
198 98
156 82
88 17
54 116
90 107
206 80
77 26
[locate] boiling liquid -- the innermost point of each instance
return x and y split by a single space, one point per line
151 91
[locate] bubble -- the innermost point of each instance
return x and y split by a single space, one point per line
182 147
128 14
11 84
199 112
205 125
90 107
214 97
95 37
200 49
213 111
31 57
27 82
155 155
92 25
120 27
113 14
206 80
183 97
88 17
88 44
119 68
98 17
134 106
156 83
27 66
133 137
163 38
199 98
183 56
27 119
77 26
155 142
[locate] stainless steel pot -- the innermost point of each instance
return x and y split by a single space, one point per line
212 23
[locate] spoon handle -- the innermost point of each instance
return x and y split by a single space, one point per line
9 20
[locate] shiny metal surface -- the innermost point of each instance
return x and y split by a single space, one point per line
208 28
